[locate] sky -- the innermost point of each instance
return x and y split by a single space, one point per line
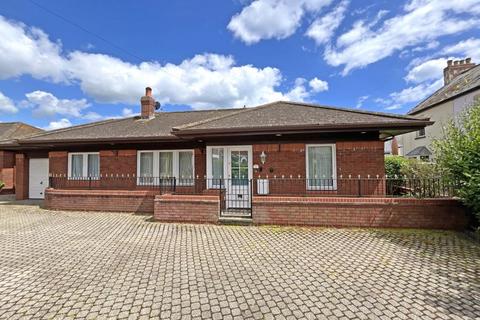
65 63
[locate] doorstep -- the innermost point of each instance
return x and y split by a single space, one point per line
235 221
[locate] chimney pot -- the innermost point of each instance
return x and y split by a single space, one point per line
454 68
148 91
148 104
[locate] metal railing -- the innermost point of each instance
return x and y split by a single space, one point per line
116 182
436 187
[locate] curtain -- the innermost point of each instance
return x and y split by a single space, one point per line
166 164
185 167
77 166
320 166
93 165
146 164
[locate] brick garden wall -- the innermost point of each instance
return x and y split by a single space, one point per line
187 208
100 200
360 212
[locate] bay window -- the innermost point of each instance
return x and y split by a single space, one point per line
164 165
82 165
321 167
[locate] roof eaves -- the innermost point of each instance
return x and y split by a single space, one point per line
336 127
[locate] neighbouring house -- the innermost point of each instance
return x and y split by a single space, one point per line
279 163
461 89
9 133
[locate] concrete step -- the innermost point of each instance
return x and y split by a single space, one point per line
235 221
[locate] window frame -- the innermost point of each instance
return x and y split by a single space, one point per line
333 187
175 166
419 136
84 167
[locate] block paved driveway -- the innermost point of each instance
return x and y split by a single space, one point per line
105 265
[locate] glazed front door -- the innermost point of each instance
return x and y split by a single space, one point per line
238 184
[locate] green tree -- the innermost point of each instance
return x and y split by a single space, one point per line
458 154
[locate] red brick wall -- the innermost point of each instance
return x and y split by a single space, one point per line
186 208
118 162
21 176
360 158
100 200
7 159
58 162
7 176
360 212
354 158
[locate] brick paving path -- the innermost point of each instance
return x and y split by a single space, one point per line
105 265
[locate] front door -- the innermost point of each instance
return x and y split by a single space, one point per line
38 178
238 184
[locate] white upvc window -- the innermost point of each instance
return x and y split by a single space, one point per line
321 167
83 165
159 165
216 166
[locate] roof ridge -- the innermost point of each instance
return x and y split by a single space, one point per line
375 113
85 125
196 123
202 110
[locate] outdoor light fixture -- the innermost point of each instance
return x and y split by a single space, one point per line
263 157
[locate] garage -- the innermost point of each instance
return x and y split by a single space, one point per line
38 178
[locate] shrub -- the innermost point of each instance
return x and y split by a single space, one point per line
394 165
410 168
458 154
1 184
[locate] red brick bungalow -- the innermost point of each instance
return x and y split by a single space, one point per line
271 160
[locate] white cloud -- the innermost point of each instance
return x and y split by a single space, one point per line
25 50
323 28
127 112
6 104
412 94
62 123
467 48
204 81
360 101
426 71
318 85
46 104
421 22
272 19
300 92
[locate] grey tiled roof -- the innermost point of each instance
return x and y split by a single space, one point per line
419 151
166 125
462 83
284 114
9 131
132 127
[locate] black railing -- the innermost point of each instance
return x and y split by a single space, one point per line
118 182
238 193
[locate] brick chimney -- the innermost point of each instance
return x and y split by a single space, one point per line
454 68
148 104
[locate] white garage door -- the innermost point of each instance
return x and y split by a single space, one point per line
38 178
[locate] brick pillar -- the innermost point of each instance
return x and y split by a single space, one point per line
21 176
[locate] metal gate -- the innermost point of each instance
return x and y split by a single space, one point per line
236 198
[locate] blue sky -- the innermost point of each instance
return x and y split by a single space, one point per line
56 71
